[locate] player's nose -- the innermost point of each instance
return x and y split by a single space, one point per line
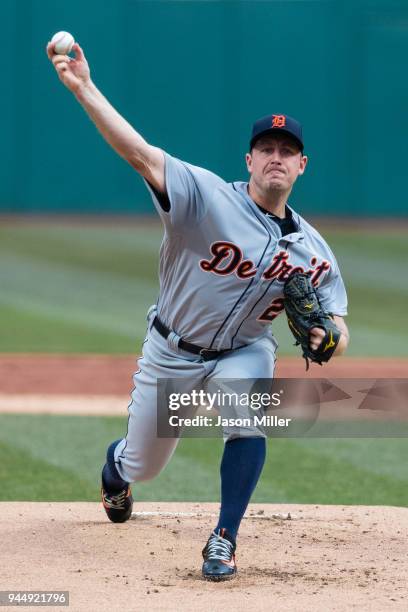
275 156
275 159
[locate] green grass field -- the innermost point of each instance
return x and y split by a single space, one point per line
57 458
70 288
67 288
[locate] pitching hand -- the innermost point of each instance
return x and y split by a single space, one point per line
316 336
73 72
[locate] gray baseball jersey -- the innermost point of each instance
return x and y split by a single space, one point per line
223 261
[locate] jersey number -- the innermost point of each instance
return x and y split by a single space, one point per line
274 309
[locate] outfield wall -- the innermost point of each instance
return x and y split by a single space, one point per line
192 76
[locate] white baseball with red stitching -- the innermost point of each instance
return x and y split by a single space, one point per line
63 42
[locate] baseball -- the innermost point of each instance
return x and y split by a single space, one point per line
63 42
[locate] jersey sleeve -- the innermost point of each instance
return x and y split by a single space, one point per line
188 188
332 292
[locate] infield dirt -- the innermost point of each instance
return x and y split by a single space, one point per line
101 384
326 558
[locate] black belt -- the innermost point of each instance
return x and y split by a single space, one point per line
206 354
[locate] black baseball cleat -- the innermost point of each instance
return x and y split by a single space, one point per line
219 557
116 494
118 506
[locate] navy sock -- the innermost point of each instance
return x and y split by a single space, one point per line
112 481
241 467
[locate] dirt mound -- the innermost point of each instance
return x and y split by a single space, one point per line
324 558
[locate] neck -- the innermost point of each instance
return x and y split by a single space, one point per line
273 201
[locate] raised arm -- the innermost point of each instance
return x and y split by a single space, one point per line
122 137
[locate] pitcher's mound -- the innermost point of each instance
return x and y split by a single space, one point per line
290 557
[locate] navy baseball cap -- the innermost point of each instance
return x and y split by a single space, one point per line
277 123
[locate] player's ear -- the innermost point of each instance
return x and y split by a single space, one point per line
248 159
303 162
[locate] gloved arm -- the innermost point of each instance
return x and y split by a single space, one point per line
313 328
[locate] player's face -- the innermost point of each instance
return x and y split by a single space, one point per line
275 162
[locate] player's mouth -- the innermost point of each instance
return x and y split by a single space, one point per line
275 171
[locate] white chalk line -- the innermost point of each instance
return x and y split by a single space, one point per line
287 516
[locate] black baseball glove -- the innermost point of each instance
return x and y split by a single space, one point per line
304 312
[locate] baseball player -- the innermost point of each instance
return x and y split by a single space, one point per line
227 252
